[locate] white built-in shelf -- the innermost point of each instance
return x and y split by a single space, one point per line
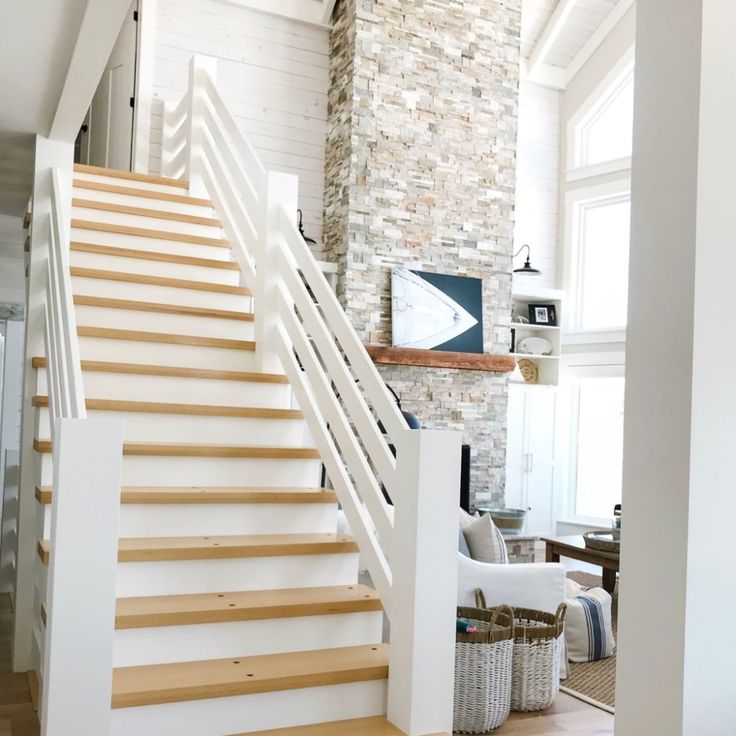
534 357
530 327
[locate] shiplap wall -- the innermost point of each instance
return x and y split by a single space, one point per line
273 74
537 179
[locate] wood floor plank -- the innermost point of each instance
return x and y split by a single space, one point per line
150 684
157 549
256 605
101 366
132 495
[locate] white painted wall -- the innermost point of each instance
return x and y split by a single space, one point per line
12 267
273 74
537 179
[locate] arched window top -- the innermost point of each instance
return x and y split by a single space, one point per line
605 131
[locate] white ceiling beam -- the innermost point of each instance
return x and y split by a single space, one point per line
551 31
98 32
327 7
544 75
597 38
304 11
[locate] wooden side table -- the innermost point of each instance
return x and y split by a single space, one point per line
574 547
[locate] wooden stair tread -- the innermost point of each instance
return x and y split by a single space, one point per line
132 176
136 192
182 681
145 232
373 726
139 278
152 255
113 333
122 209
208 410
141 306
202 608
102 366
165 449
157 549
212 495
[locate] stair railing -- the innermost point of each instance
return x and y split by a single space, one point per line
410 548
85 503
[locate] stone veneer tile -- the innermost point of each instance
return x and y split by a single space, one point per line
420 172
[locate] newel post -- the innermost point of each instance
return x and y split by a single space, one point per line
200 67
424 585
278 193
80 598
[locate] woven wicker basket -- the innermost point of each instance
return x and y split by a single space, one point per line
483 664
535 679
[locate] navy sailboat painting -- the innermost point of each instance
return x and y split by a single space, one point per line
432 311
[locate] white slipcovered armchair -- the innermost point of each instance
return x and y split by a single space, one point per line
526 585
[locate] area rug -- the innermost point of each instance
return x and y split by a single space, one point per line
594 682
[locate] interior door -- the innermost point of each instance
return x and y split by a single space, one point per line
541 408
111 112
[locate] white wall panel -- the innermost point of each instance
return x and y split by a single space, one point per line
273 74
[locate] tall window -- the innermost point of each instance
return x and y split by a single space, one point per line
604 133
596 247
597 454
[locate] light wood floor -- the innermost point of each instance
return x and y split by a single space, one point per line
17 717
567 716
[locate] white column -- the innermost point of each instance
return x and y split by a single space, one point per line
424 593
676 671
279 191
49 154
80 622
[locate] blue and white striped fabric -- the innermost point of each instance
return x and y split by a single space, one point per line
588 630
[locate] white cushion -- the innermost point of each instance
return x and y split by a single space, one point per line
485 541
588 630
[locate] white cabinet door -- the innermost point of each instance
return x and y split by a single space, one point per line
530 455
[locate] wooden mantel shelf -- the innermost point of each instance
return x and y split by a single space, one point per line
442 359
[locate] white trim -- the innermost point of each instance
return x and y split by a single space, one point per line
302 11
620 166
144 84
594 337
575 200
618 73
545 75
597 38
551 31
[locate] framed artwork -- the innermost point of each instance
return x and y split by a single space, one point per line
433 311
543 314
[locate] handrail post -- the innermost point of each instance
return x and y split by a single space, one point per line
199 66
424 565
167 132
279 191
80 622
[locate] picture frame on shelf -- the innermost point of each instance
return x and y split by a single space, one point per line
543 314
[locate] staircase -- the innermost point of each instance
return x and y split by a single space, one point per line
198 373
238 603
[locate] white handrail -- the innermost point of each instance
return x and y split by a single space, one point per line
302 328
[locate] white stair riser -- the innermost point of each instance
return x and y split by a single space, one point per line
183 356
173 246
162 294
150 203
214 471
155 268
120 182
144 427
230 575
151 223
134 387
183 577
163 644
177 324
244 713
192 520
